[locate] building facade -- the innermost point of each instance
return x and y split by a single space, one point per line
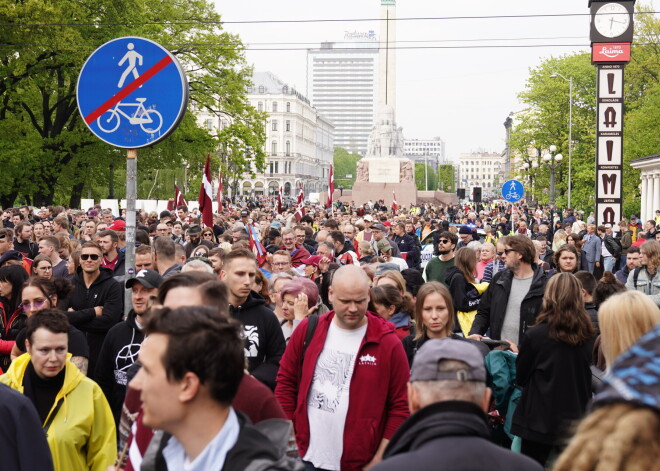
342 83
299 142
482 169
431 151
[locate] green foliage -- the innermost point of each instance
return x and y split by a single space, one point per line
345 163
49 156
446 178
420 177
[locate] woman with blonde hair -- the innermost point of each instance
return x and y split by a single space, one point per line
553 368
623 319
558 239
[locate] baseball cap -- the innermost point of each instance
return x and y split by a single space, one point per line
117 225
465 230
148 278
312 260
245 213
427 358
369 218
384 245
635 375
379 227
276 225
10 255
194 229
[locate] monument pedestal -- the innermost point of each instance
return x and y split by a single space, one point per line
406 193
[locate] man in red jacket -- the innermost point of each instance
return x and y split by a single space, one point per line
348 396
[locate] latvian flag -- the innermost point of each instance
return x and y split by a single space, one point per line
255 245
178 198
300 210
279 201
395 205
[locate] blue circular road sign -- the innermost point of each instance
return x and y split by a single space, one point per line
132 92
513 191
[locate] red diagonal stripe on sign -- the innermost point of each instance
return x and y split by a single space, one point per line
128 89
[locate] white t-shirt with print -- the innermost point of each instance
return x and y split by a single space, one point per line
327 403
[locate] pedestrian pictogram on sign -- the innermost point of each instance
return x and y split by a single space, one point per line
132 92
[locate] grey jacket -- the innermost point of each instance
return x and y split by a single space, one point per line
592 248
645 283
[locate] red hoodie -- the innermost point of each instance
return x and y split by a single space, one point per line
378 399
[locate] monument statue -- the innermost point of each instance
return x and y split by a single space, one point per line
362 171
385 140
407 171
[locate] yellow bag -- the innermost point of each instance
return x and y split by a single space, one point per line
465 319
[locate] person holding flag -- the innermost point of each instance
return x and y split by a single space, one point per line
206 190
300 208
395 205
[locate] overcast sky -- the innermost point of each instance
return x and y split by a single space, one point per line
462 95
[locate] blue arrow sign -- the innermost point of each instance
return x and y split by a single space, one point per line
132 92
513 191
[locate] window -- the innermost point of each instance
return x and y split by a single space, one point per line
260 106
274 125
288 107
273 148
287 125
209 124
261 89
274 107
288 148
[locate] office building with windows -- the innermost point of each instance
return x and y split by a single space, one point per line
482 169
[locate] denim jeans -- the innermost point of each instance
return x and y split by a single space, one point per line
608 263
310 467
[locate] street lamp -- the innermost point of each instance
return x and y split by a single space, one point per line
527 166
550 159
570 128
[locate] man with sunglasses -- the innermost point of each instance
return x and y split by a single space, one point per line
438 265
97 300
514 296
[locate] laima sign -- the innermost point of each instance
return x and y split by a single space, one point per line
610 52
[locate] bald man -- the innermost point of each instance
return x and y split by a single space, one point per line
353 357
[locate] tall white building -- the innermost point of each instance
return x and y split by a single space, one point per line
425 150
342 83
482 169
299 141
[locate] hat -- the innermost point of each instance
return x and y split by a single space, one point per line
117 225
384 245
425 364
369 218
312 260
379 227
92 213
245 213
194 229
276 225
635 374
150 279
387 223
10 255
465 230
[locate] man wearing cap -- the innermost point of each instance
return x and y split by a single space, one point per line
465 234
379 233
348 396
195 233
312 266
366 233
385 249
448 428
122 343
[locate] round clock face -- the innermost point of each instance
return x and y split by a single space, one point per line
612 20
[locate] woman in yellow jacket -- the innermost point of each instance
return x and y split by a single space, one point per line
74 412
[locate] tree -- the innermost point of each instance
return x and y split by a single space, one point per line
51 155
345 163
446 177
421 175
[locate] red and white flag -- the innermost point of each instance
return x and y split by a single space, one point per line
206 190
178 198
220 188
279 201
300 209
395 205
331 188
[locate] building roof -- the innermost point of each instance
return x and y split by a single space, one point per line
267 83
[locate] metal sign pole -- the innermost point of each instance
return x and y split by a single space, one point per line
131 195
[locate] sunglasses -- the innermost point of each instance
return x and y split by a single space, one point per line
507 251
443 241
37 304
87 256
500 253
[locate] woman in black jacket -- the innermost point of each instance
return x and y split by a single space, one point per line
553 369
461 278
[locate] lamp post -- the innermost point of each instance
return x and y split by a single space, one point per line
527 166
553 161
570 128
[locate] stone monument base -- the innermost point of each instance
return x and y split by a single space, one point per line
406 193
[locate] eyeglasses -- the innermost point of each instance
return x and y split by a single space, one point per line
36 304
281 264
288 240
87 256
507 251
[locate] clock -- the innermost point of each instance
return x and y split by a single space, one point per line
612 20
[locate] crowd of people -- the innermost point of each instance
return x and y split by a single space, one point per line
348 338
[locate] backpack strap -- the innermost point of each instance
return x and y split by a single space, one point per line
636 275
49 422
312 322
